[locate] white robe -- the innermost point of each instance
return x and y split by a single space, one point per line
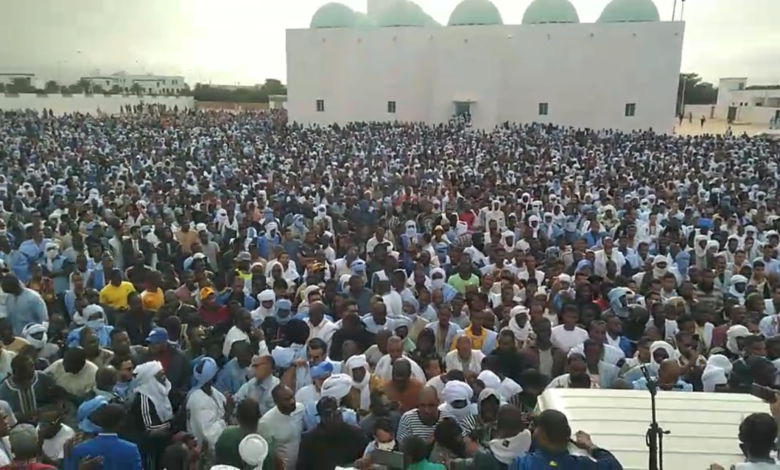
206 416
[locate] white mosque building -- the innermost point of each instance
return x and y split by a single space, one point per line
396 63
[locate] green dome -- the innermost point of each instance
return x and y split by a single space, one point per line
333 15
550 11
403 13
629 11
475 12
363 21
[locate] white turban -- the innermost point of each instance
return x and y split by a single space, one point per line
490 379
455 390
662 345
716 373
735 332
356 362
336 386
253 450
266 296
146 371
34 329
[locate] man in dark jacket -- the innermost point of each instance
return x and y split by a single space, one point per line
332 442
553 434
511 440
175 363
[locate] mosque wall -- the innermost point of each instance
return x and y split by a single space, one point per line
585 73
111 104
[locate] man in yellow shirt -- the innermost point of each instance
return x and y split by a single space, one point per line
116 291
481 338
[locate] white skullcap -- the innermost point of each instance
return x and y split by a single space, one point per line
456 390
253 450
336 386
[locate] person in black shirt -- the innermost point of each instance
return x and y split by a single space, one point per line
332 443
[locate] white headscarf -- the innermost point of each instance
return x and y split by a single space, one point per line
716 372
455 390
146 384
521 334
738 279
658 273
356 362
735 332
662 345
261 313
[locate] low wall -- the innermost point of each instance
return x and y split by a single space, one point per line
110 104
229 106
699 110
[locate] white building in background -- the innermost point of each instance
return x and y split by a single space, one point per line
397 63
7 78
743 103
149 84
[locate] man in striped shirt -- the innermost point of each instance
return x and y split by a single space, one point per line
422 420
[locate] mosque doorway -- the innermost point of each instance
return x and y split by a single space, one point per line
732 114
463 108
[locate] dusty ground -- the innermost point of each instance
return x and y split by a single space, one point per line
717 127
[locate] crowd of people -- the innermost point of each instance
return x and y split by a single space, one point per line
182 290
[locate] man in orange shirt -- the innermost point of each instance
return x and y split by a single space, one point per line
402 388
186 237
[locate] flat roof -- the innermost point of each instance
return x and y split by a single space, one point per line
17 74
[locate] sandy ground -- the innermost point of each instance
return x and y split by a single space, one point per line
717 127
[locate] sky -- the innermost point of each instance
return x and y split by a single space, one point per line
243 41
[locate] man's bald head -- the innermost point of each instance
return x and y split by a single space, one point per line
395 347
669 372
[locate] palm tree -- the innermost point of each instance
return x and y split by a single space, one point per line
136 89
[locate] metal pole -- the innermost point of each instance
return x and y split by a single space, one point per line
682 10
674 9
682 95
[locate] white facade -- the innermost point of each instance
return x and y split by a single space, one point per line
738 103
583 75
150 84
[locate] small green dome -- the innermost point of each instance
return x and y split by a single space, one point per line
475 12
403 13
629 11
550 11
363 21
333 15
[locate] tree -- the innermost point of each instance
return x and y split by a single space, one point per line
2 87
273 86
98 90
116 89
85 85
52 87
694 90
136 89
21 85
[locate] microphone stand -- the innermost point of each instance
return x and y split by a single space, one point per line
654 436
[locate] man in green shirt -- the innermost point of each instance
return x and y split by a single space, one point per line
463 278
226 451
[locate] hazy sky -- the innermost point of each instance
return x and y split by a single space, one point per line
243 41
